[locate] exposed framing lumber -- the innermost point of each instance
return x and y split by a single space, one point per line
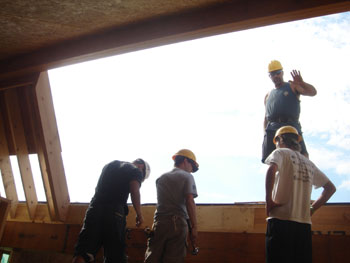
5 166
16 125
33 100
50 151
6 171
223 17
9 183
331 219
4 210
27 97
18 81
231 245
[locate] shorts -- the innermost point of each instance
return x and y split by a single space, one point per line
288 242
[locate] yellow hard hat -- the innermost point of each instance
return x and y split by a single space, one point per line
187 153
275 65
284 130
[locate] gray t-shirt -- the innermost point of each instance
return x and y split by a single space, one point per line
172 189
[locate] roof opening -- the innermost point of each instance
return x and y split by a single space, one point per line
206 95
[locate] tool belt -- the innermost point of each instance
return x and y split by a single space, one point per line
283 119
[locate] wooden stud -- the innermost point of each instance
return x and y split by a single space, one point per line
6 170
18 134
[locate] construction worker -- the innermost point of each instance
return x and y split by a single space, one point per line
176 212
105 219
289 181
282 105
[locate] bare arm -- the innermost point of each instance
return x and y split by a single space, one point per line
136 201
269 183
299 86
328 190
191 210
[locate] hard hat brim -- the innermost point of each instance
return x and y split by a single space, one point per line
274 138
174 156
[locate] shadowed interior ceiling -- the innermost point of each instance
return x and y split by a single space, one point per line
28 25
36 35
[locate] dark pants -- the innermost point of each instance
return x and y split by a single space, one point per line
288 242
104 226
268 146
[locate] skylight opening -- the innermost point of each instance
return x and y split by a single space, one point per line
206 95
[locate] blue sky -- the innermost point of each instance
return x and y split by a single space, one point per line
206 95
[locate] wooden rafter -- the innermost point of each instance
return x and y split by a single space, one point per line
50 151
18 135
6 170
27 96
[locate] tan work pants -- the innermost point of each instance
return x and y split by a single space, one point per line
168 242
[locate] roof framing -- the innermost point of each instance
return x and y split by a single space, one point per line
28 123
219 17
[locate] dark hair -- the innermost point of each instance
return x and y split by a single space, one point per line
179 159
291 141
140 161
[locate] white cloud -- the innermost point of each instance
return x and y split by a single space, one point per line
206 95
326 67
345 185
326 158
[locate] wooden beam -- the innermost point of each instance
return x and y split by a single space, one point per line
6 125
9 184
6 170
231 245
223 17
42 214
27 97
5 205
30 121
50 151
34 236
21 148
331 219
251 218
18 81
223 247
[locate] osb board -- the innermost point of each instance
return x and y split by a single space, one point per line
31 24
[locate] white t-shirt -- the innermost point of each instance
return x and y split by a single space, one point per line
293 185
